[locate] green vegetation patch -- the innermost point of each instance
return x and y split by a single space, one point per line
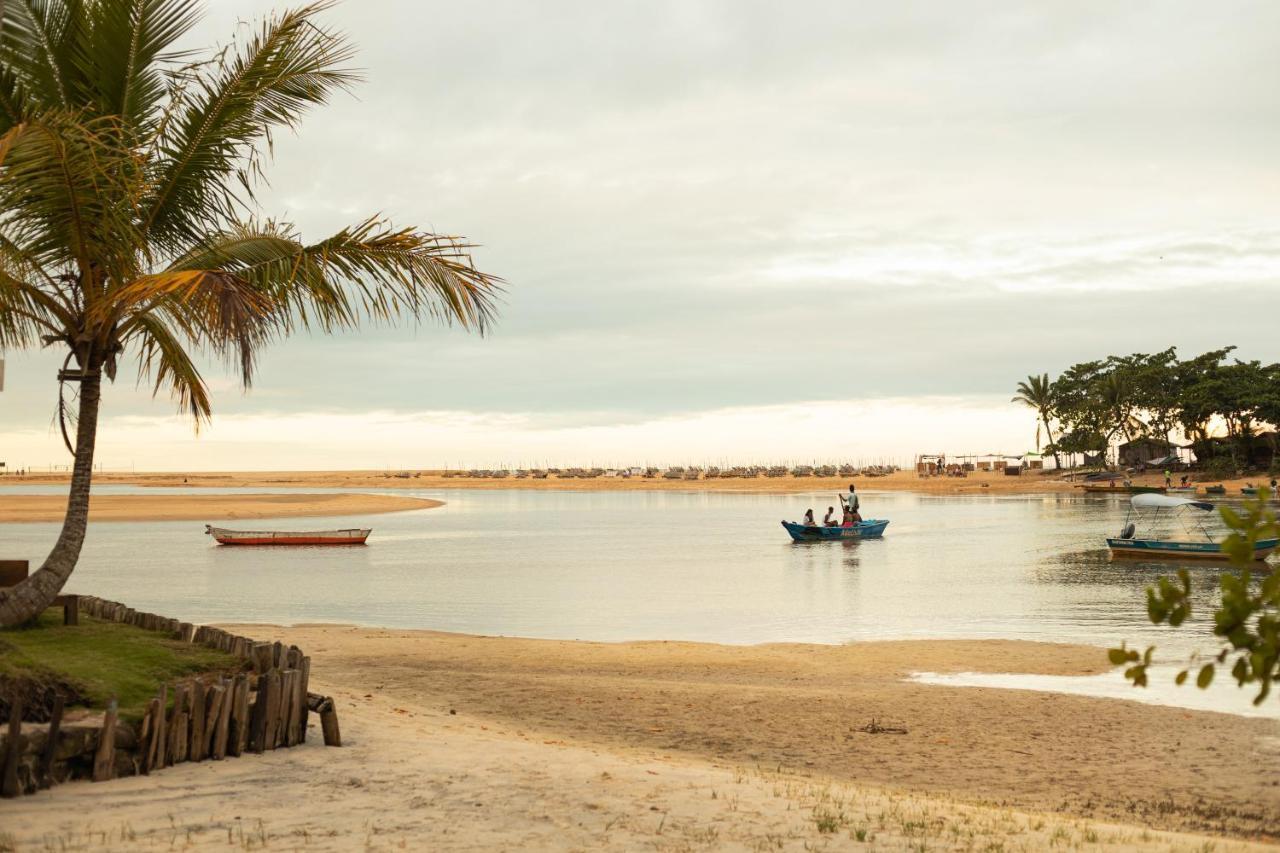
99 659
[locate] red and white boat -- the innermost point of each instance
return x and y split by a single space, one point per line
354 536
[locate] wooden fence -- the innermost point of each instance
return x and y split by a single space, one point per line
204 717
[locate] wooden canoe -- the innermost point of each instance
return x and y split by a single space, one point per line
352 536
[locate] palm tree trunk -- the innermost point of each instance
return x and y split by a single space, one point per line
1057 463
28 599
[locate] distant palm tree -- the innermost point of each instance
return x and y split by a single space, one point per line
129 226
1037 393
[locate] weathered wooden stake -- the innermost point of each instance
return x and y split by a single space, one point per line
51 745
329 723
220 713
258 717
178 726
304 707
238 731
9 765
104 760
261 657
199 743
160 731
274 681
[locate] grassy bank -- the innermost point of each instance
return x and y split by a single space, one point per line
96 660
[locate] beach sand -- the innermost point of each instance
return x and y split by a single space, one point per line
26 508
978 483
463 742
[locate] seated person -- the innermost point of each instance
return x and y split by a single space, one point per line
808 519
827 520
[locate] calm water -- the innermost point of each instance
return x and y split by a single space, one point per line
625 565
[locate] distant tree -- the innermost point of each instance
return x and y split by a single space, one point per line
128 223
1246 624
1037 393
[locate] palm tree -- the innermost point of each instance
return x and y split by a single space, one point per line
129 226
1037 393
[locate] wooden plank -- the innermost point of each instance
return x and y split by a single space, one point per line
304 707
104 759
274 682
223 698
147 743
287 735
178 727
160 731
199 743
329 724
261 657
186 632
238 725
258 716
9 765
51 744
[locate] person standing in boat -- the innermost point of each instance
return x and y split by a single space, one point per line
850 501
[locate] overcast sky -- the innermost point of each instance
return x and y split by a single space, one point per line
811 230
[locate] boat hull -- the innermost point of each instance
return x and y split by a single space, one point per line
1123 490
1162 548
279 538
869 529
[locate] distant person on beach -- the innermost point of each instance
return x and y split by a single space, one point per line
1168 478
808 519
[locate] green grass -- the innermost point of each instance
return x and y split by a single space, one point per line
105 659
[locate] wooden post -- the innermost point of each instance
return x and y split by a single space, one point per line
258 716
151 727
199 743
238 727
289 709
9 765
274 682
51 745
104 760
329 723
261 657
223 697
160 731
178 726
304 707
186 631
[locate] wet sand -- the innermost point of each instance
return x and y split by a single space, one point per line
29 508
464 742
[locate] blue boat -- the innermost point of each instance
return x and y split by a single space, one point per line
1203 547
868 529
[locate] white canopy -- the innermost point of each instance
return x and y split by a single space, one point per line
1157 501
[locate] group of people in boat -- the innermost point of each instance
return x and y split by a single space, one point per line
849 504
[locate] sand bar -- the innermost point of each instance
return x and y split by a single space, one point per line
29 508
978 483
464 742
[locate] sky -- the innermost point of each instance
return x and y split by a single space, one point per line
741 231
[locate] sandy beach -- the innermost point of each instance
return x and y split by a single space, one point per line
29 508
978 483
464 742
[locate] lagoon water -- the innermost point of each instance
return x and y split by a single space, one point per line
661 566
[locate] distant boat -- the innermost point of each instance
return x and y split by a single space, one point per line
353 536
871 528
1182 490
1215 490
1128 544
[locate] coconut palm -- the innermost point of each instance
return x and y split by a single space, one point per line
1037 393
129 226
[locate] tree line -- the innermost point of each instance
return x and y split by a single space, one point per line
1120 398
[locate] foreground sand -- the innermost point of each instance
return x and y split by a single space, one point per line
977 483
26 508
460 742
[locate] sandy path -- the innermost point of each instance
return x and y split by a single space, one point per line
976 483
28 508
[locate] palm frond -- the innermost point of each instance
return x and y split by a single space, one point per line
121 57
35 37
289 65
164 362
369 271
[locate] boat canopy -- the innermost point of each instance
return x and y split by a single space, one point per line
1156 501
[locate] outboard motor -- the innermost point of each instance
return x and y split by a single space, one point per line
1128 531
